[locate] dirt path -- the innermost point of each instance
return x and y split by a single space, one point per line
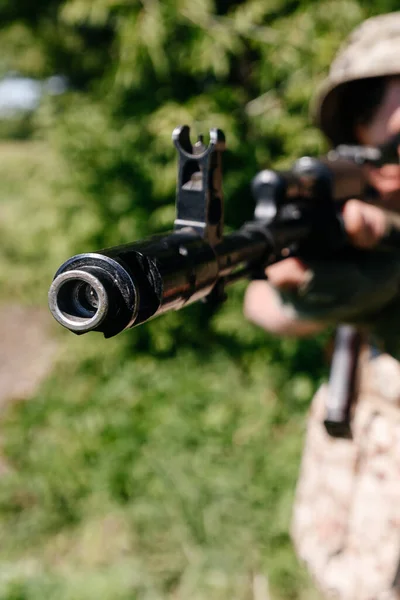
27 351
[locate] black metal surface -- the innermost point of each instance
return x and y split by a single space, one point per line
118 308
199 197
342 382
385 154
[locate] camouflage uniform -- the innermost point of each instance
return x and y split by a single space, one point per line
346 519
364 292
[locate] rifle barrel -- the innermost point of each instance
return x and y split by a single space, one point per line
117 288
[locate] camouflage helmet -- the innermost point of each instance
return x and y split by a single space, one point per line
372 50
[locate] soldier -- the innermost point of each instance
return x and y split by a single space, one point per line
346 522
359 103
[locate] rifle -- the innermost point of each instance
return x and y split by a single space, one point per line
297 212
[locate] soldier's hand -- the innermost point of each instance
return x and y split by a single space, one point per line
365 225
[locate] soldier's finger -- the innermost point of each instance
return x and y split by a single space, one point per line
287 274
365 224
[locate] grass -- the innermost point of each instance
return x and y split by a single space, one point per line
154 471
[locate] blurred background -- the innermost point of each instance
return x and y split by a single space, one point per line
160 464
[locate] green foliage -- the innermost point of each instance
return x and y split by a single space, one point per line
161 464
193 477
18 127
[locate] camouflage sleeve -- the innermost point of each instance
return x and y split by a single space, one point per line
364 290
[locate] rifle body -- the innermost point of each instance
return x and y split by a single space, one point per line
118 288
297 212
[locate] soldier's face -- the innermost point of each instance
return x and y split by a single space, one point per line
385 123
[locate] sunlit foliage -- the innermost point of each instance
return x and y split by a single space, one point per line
160 464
